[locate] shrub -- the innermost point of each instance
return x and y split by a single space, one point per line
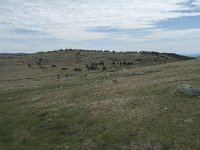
129 63
77 69
104 68
64 69
42 67
101 63
139 59
92 67
39 63
53 65
87 66
40 59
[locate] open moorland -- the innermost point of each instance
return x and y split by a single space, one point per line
88 100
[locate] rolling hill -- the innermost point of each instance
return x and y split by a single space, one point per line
74 99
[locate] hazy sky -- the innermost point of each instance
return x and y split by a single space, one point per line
155 25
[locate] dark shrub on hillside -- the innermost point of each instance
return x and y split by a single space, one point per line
40 59
129 63
42 67
101 63
29 65
87 66
39 63
107 51
139 59
64 69
77 69
92 67
124 62
113 62
104 68
53 65
58 76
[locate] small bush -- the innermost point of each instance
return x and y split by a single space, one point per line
39 63
77 69
124 62
42 67
139 59
53 66
87 66
92 67
64 69
104 68
129 63
101 63
40 59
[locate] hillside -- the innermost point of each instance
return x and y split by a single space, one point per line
98 100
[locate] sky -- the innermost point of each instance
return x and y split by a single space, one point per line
120 25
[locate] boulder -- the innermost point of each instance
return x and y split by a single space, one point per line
189 90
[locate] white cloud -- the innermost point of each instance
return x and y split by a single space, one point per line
70 19
197 3
169 35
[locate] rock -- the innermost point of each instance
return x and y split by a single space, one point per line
189 90
114 80
189 120
112 70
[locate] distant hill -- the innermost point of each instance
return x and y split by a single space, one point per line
164 55
195 55
12 54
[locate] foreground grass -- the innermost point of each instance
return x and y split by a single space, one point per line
125 109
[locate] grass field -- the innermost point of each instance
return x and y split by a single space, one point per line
123 107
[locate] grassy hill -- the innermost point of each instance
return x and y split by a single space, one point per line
98 100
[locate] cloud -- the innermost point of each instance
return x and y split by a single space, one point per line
85 20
